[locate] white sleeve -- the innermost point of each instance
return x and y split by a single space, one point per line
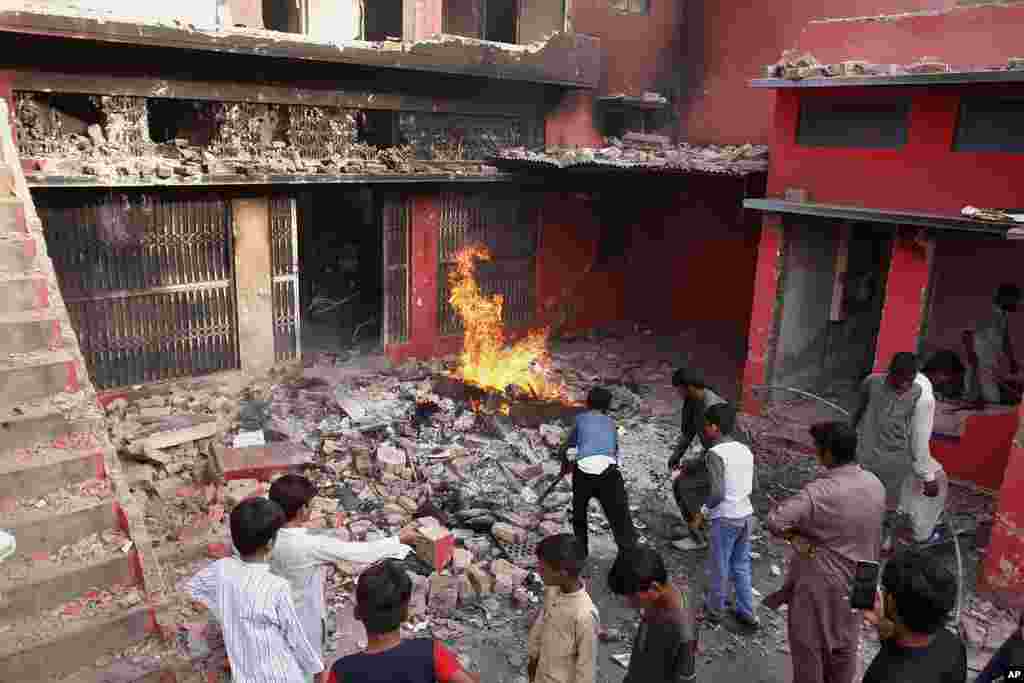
330 549
925 466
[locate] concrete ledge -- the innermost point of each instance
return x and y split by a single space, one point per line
37 428
29 336
42 532
66 652
54 374
18 255
12 216
48 589
24 294
55 472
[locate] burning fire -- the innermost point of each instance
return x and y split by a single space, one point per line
486 361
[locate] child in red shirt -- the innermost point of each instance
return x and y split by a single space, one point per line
382 604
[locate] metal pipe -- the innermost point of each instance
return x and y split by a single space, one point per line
807 394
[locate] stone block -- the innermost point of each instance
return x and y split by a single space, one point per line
507 533
435 545
391 459
361 460
260 462
467 591
444 593
482 581
461 558
420 591
507 576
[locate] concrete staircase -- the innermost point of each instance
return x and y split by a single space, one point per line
74 592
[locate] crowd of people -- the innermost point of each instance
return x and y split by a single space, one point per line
880 499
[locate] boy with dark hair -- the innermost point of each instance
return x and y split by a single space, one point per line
562 646
946 373
382 604
302 557
595 473
665 646
910 613
688 466
733 478
263 637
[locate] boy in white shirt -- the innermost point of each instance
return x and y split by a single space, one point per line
733 478
302 557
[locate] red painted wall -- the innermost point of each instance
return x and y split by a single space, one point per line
728 43
925 174
1002 575
568 244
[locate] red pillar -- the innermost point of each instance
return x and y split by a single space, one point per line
905 292
762 317
1003 575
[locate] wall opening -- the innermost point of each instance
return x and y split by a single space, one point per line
341 261
383 20
500 20
192 121
833 295
378 128
283 15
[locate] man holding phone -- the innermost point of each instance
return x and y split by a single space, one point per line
835 524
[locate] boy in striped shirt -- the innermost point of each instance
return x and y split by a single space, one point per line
263 637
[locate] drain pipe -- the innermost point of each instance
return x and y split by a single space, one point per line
806 394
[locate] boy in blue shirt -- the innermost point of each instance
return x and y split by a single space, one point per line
595 472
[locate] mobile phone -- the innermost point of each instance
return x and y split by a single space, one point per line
865 585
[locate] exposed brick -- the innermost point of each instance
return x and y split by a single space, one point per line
260 462
482 581
435 546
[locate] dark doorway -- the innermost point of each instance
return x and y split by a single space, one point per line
283 15
341 266
383 19
500 19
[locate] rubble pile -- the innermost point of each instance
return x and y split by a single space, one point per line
387 450
649 152
214 140
794 66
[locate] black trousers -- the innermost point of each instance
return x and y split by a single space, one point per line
610 490
691 492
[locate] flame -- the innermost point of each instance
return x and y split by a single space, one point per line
485 360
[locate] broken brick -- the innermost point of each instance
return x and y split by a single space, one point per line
435 545
482 581
507 576
218 551
461 558
507 533
444 593
259 462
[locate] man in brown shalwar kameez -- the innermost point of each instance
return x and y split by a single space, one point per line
834 522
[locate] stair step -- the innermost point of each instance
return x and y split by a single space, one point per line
43 530
50 645
38 473
17 255
30 335
28 588
12 215
24 294
39 376
42 427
